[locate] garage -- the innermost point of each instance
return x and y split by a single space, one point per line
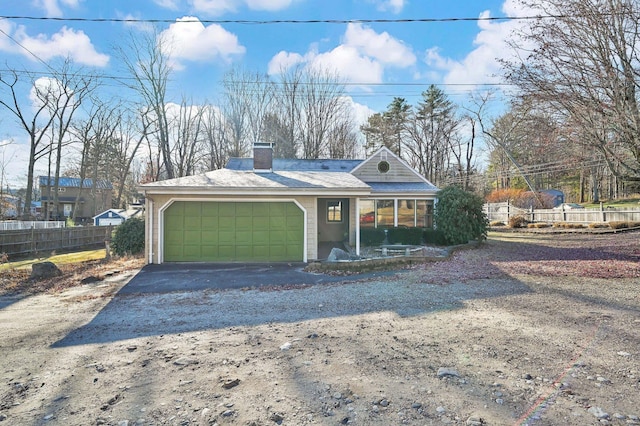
217 231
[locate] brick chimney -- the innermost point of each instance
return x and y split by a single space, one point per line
263 157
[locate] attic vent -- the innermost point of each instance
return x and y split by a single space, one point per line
383 166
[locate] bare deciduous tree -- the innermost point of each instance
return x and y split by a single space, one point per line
585 66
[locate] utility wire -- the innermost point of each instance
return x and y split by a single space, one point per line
295 21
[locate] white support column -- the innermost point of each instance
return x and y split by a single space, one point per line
357 203
395 212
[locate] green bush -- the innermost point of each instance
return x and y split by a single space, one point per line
371 236
128 238
410 236
434 236
459 216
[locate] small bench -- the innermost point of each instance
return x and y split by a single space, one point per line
398 248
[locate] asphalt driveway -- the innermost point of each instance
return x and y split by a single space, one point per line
174 277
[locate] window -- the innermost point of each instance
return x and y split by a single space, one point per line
406 213
384 213
334 211
424 213
367 214
60 189
409 213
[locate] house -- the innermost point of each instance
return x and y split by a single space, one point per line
74 193
262 210
116 216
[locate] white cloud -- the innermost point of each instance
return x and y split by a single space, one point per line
394 6
381 47
359 112
350 65
283 61
188 39
481 65
53 8
168 4
270 5
361 58
65 43
220 7
214 7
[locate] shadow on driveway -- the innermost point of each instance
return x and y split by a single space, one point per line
171 299
173 277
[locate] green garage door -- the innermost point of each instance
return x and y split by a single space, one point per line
204 231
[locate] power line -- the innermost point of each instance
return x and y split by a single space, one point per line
293 21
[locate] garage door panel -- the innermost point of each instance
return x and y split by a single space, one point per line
261 238
244 223
233 231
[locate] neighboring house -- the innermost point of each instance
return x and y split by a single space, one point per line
116 216
72 195
263 210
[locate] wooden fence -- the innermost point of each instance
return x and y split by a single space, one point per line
501 212
33 241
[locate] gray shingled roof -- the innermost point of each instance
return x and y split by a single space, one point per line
225 179
71 182
282 164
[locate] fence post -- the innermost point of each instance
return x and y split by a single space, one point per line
602 214
508 211
533 218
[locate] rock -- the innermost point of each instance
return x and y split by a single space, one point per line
441 410
337 395
286 346
475 421
131 348
623 353
123 423
447 372
48 417
3 417
384 403
598 412
90 279
185 361
277 418
228 384
337 255
228 413
416 405
44 270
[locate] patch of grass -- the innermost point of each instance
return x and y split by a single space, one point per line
623 202
58 259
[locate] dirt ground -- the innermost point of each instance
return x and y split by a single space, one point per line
524 330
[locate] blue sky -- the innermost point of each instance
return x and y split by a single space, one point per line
369 56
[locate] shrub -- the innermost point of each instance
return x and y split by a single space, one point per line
459 216
496 223
598 225
517 222
4 258
410 236
371 236
634 224
434 236
128 238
